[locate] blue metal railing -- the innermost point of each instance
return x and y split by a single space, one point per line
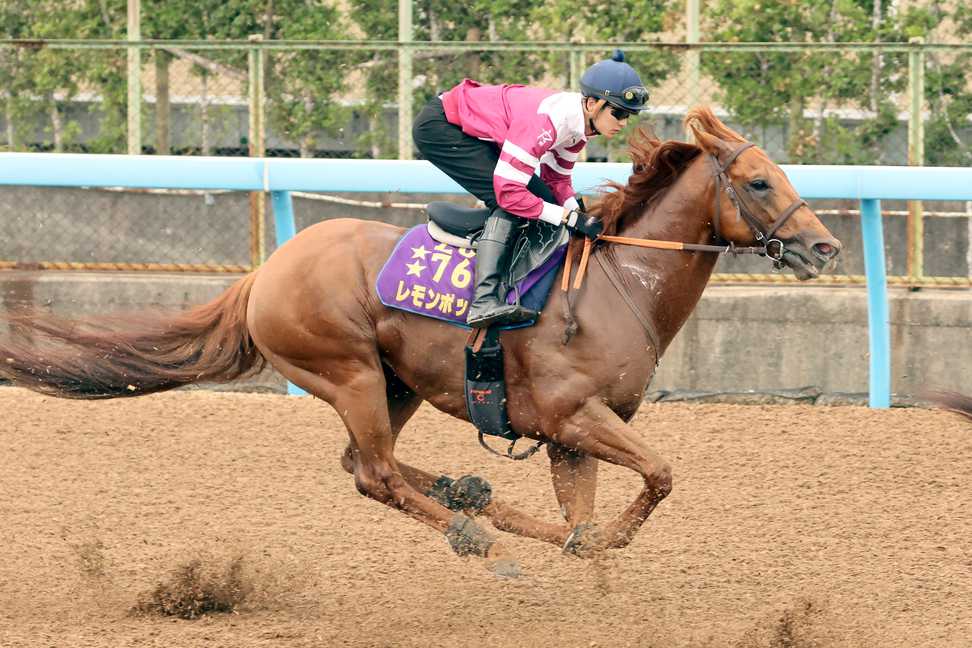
279 177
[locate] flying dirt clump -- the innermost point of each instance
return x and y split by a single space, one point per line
194 589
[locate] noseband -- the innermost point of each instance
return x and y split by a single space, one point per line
770 247
767 245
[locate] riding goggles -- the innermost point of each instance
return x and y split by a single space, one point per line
621 114
632 99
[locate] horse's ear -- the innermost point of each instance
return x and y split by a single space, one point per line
711 144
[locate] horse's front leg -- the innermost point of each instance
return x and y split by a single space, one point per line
575 485
597 432
574 481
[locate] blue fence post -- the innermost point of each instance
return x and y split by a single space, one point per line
285 229
877 304
283 216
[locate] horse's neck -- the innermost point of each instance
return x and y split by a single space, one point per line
668 283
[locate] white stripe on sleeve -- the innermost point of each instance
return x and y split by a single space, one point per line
551 161
506 170
569 156
515 151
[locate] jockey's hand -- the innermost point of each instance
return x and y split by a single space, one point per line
578 221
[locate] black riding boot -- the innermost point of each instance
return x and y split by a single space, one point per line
494 254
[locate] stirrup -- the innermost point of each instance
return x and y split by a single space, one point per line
504 314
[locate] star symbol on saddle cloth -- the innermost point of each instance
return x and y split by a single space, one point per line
419 252
414 269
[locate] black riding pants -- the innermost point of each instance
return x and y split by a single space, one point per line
466 159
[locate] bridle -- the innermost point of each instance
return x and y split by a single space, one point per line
765 238
767 245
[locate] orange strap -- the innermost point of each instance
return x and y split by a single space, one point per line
646 243
565 280
586 255
476 338
582 268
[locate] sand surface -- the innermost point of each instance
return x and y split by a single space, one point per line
788 526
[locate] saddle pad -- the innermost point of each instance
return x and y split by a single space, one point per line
435 279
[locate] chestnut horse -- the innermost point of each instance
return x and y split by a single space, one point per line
311 311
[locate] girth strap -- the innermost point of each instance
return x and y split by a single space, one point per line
485 391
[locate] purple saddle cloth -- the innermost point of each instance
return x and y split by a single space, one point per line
425 277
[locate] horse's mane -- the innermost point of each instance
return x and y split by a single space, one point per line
656 166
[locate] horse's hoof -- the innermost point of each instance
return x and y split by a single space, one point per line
583 541
471 493
468 493
468 539
505 568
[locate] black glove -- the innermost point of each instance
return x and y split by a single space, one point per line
578 221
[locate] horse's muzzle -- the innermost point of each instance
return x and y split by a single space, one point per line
810 257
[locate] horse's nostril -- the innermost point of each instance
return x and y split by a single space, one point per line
825 250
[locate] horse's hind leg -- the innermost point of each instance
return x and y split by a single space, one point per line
402 404
360 400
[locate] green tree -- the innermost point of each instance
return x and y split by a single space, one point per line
433 72
765 90
305 86
633 21
199 20
40 82
500 20
948 90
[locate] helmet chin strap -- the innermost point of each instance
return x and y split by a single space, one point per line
601 103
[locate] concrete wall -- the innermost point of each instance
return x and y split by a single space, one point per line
740 338
767 338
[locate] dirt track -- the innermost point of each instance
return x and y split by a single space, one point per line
788 526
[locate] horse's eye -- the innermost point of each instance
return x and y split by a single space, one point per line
759 185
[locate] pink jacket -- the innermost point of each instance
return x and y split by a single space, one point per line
534 127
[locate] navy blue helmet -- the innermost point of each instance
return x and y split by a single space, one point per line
616 82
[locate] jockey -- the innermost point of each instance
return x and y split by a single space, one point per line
491 139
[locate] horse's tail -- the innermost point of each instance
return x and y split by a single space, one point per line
131 354
953 402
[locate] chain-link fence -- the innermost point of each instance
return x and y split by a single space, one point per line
94 229
833 104
825 104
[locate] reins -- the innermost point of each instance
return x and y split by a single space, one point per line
729 248
769 247
723 183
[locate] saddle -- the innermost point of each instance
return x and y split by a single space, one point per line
430 272
462 226
432 269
